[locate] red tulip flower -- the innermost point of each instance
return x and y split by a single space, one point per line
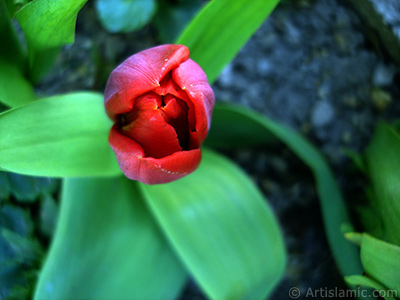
161 103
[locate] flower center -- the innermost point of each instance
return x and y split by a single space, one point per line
159 121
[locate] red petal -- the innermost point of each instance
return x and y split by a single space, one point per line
151 170
139 74
169 168
153 133
168 86
175 112
192 79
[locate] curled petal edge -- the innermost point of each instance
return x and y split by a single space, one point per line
192 79
148 170
139 74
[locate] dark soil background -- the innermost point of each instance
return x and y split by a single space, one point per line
316 66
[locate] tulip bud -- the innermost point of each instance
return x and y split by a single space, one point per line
161 103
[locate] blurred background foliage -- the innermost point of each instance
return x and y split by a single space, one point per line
29 209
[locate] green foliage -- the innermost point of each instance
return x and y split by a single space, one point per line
14 5
125 15
108 246
24 188
24 249
107 243
366 282
381 262
380 254
15 89
11 49
60 136
229 127
332 204
21 246
221 227
235 250
383 164
221 29
47 26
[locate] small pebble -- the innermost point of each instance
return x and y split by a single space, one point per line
383 75
322 114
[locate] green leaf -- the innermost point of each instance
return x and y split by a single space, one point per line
381 261
40 62
222 228
47 25
107 246
383 164
61 136
14 5
359 280
15 89
332 204
228 128
221 29
125 15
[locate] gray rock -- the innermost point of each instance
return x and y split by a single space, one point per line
225 78
322 114
383 75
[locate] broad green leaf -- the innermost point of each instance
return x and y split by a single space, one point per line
47 25
381 261
359 280
61 136
332 204
228 128
15 89
383 164
125 15
14 5
222 228
221 29
107 246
